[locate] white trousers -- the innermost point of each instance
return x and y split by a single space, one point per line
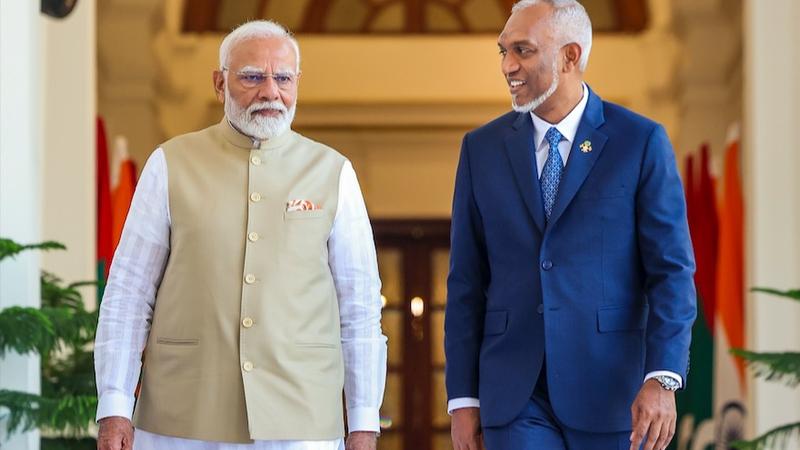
142 440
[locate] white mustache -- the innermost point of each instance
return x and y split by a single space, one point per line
278 106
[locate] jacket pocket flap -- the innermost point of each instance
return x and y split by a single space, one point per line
622 318
176 341
495 322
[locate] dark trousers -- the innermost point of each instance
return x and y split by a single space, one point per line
537 428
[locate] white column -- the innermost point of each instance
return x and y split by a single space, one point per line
20 174
771 168
68 183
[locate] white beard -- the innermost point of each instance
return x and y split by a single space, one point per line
537 102
256 126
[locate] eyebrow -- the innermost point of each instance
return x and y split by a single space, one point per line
520 42
251 69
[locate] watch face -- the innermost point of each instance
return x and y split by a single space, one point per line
58 8
668 383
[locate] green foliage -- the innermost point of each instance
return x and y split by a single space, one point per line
792 294
775 438
67 414
68 443
783 367
9 248
61 332
25 330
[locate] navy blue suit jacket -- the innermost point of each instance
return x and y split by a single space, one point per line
603 290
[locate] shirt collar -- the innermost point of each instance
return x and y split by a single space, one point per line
568 127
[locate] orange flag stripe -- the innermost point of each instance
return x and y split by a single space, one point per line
730 273
121 198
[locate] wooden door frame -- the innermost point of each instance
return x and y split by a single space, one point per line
416 240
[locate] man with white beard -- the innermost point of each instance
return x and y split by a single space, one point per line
246 278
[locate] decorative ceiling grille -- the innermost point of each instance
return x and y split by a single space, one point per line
392 16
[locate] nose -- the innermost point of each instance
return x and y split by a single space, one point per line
509 64
269 90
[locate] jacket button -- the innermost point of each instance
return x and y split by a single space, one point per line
547 264
540 309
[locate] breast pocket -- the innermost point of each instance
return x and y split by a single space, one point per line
306 236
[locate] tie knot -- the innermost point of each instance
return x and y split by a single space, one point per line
553 137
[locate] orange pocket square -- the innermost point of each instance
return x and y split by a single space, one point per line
301 205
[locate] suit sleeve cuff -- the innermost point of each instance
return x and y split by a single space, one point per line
115 404
667 373
363 419
462 402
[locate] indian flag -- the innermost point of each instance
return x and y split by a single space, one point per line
695 430
123 184
711 411
729 385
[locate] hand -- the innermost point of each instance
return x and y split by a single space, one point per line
465 429
362 440
654 416
116 433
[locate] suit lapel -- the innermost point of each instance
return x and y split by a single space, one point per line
520 150
580 162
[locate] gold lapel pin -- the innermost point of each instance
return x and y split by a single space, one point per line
586 147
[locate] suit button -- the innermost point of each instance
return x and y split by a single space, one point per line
540 309
250 278
247 366
247 322
547 264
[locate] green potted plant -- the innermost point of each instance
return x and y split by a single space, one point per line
61 332
783 367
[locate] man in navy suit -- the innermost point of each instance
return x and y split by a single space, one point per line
570 294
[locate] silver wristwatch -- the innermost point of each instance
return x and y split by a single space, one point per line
667 382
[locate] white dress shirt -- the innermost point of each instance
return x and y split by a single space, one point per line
568 127
137 270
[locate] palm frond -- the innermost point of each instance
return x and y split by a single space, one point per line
792 293
26 330
54 294
783 367
70 414
9 248
773 439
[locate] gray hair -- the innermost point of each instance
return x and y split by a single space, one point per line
255 29
570 23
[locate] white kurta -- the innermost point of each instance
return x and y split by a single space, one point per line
137 270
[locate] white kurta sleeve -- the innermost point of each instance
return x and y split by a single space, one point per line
127 307
353 263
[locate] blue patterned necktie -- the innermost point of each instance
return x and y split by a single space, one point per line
551 174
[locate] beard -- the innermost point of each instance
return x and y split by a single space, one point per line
537 102
257 126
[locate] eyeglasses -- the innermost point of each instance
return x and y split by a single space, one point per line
251 79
